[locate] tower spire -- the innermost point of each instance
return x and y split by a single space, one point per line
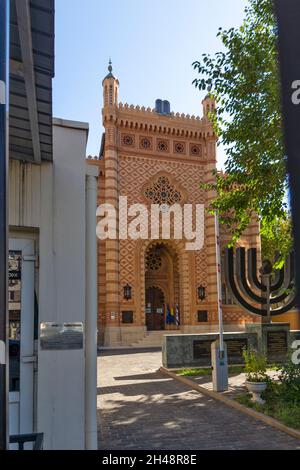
110 87
110 69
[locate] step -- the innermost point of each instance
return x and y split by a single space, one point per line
154 338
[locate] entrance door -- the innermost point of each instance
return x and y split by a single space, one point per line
155 309
21 336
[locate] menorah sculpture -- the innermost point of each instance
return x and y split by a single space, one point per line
274 288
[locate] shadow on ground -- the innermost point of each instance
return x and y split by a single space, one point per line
155 412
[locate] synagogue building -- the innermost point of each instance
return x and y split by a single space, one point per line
148 287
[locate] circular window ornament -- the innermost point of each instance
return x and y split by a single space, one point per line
145 143
128 140
195 150
162 146
179 147
153 261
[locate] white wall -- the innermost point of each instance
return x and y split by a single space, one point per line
61 374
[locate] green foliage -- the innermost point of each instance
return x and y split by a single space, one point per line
255 365
286 412
276 240
282 396
244 79
290 380
202 372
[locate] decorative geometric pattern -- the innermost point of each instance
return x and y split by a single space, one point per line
128 140
146 143
201 274
163 192
153 260
135 173
162 145
179 147
127 270
195 150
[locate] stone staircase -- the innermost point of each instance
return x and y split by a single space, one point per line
154 339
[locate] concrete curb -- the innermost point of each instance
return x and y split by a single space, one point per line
233 404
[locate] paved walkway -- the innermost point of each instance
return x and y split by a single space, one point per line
139 408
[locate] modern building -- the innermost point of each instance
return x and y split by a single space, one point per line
146 286
52 241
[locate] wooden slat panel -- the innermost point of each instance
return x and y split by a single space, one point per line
20 133
21 150
17 142
19 114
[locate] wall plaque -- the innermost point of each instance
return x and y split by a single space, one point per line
202 350
277 344
61 336
235 349
235 346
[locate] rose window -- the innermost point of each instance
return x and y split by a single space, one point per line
153 261
145 143
162 146
195 150
162 192
128 140
179 147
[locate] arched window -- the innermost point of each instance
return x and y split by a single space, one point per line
111 101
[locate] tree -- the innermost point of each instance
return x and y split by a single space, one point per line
244 79
276 241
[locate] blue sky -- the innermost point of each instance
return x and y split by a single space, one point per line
152 45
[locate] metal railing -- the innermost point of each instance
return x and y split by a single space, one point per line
36 439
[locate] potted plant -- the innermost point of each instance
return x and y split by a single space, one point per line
256 376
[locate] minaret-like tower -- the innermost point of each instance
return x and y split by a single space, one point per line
209 106
110 89
112 248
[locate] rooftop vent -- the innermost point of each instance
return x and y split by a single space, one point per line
162 107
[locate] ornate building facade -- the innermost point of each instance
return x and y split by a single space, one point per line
159 157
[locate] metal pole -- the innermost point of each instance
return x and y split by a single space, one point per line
4 80
219 281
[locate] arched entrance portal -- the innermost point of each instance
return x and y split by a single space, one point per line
162 288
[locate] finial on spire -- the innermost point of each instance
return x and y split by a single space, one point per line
110 68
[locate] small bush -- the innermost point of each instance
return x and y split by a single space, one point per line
255 365
290 374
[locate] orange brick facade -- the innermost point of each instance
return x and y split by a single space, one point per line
147 155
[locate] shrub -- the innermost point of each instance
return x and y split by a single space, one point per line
290 380
255 365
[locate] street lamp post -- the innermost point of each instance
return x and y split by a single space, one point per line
4 80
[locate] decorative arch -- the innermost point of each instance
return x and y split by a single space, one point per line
177 247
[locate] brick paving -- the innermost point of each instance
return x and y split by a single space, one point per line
139 408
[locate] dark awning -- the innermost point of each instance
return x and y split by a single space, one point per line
31 73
